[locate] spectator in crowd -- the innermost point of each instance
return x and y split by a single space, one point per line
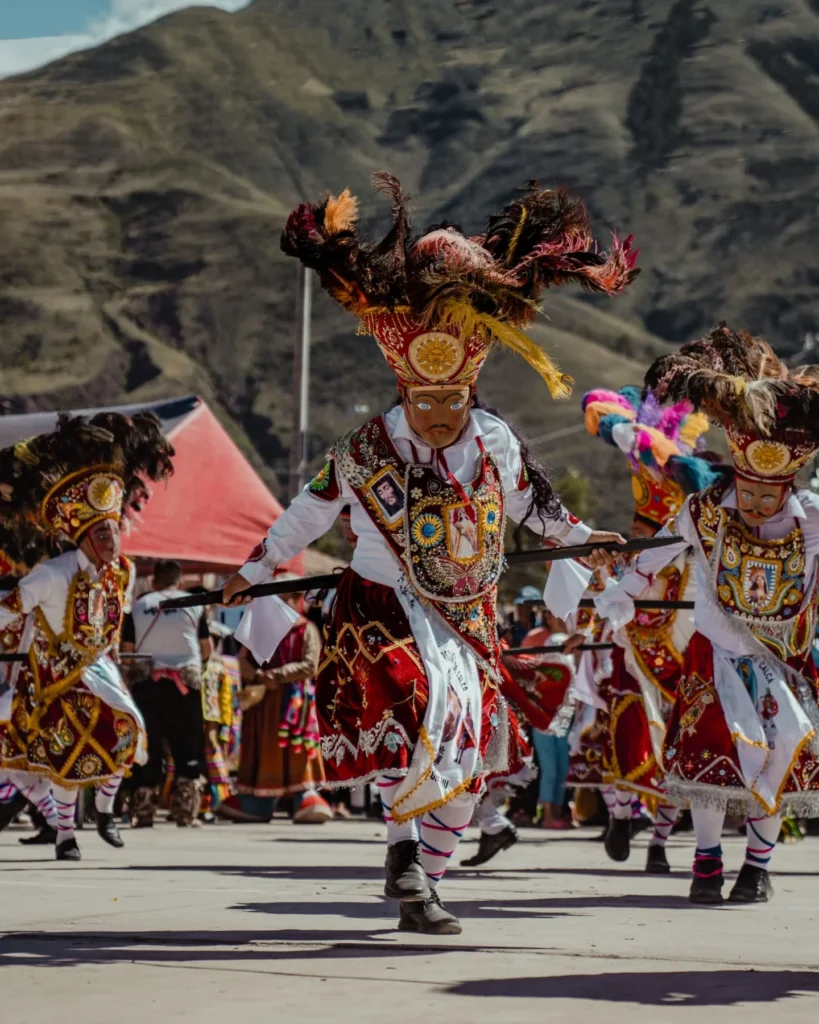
169 697
280 755
525 619
552 751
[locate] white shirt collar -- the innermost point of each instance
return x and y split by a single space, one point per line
84 562
792 509
87 566
400 429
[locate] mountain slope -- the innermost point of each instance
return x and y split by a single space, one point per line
143 186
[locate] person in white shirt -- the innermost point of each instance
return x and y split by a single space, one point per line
67 715
744 730
170 699
407 689
662 447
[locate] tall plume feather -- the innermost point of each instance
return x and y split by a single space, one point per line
736 378
395 243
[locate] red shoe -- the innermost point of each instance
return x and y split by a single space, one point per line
555 824
313 810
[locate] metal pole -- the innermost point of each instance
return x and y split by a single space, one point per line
295 439
304 388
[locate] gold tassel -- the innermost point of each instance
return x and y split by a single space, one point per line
459 317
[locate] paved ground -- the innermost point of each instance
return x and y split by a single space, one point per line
286 923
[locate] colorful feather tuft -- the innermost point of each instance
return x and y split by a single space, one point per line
341 213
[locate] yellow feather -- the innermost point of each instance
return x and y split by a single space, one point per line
459 317
693 428
341 212
513 244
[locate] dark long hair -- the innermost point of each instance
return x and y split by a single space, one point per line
545 503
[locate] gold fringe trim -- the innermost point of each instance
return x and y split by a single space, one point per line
401 818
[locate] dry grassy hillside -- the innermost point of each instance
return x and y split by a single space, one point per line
143 186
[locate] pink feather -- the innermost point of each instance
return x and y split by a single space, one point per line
602 395
673 418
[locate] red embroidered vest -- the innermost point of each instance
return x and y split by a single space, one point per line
448 537
761 582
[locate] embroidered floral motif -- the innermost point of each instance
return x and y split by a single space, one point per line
427 529
90 766
452 548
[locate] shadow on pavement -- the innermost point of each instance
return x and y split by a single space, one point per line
45 949
668 988
364 909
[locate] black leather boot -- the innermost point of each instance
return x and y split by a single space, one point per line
47 836
657 862
618 839
429 917
68 850
107 830
753 885
405 878
10 810
489 846
706 885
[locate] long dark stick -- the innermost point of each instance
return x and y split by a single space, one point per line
122 657
650 606
556 649
329 581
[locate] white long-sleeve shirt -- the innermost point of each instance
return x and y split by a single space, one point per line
47 585
308 517
801 509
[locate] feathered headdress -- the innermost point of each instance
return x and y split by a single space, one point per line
436 303
85 471
22 546
770 413
660 444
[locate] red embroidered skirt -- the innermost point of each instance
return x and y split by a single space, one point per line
78 741
699 752
588 740
628 752
371 688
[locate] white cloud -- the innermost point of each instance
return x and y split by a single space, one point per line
20 55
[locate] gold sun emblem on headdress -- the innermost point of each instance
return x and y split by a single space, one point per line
435 356
104 493
767 457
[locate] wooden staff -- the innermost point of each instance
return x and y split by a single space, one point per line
330 580
122 657
556 649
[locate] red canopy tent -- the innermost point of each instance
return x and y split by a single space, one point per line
213 510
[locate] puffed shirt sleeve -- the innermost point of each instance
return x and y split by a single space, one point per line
810 524
499 439
307 518
616 603
35 589
32 590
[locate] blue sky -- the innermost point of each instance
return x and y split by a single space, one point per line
24 19
35 32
